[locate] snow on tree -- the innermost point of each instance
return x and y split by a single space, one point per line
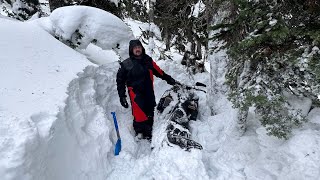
20 9
78 26
137 9
274 54
217 13
182 25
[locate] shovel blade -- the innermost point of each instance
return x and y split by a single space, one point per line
117 149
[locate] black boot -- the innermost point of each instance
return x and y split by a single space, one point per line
145 128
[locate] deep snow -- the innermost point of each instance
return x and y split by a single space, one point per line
56 125
35 72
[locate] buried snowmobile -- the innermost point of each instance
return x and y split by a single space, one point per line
179 105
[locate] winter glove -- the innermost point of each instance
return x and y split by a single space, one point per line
123 102
171 81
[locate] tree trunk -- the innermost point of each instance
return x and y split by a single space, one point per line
242 120
198 49
167 37
217 12
193 48
151 25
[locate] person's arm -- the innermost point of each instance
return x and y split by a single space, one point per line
121 85
121 81
157 71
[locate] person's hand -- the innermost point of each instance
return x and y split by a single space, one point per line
171 81
123 102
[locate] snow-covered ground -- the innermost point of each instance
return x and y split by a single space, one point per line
55 109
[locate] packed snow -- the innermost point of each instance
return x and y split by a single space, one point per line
56 120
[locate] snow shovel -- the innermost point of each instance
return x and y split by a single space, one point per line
117 149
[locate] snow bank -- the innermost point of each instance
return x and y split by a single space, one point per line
83 25
36 70
82 137
99 56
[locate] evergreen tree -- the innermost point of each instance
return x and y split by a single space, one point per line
274 54
218 12
179 27
54 4
21 9
135 9
105 5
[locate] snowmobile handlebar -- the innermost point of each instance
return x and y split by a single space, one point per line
187 87
200 84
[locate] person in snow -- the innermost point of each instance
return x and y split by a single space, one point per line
136 73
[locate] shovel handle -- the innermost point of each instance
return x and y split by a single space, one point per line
116 123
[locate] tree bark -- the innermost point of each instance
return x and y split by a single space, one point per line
151 24
167 37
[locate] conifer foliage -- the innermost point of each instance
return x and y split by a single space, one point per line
20 9
274 50
180 26
135 9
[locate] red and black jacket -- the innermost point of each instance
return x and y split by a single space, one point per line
137 75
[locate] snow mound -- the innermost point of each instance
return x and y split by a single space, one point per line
81 25
36 70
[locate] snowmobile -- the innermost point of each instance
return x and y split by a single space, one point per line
179 105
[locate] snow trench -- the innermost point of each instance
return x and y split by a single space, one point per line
80 144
